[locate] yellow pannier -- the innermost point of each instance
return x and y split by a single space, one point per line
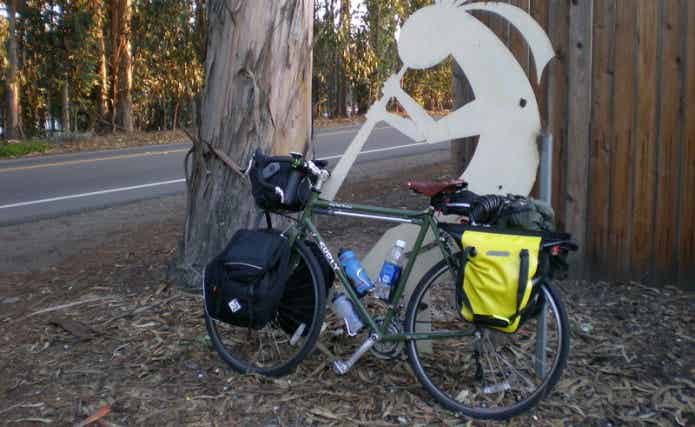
496 277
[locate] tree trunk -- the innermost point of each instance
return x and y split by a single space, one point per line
200 29
13 128
341 69
175 118
332 103
102 85
124 106
461 149
257 95
114 60
65 104
121 66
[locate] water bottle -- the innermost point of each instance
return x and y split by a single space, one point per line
390 271
355 272
343 308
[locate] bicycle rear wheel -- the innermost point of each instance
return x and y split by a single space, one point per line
275 350
486 374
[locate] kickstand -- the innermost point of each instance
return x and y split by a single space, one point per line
476 356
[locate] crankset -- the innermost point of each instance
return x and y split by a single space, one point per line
388 350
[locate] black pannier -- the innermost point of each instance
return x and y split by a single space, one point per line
243 285
277 184
298 303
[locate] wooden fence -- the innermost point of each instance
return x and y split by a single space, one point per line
619 99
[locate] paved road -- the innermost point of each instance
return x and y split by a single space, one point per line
50 186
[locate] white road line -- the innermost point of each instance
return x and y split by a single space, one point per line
93 193
178 181
345 131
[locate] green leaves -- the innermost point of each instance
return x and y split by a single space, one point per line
362 52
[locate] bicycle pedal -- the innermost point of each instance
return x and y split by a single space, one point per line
341 367
497 388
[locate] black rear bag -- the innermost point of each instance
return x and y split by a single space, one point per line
244 284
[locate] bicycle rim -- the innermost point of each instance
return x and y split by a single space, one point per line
487 374
275 350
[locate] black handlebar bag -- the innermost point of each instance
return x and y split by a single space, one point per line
244 284
277 184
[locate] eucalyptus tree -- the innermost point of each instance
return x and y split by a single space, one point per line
256 95
167 65
12 123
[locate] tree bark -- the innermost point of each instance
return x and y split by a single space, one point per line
124 106
13 128
341 69
65 104
113 60
332 103
103 85
121 66
257 95
175 118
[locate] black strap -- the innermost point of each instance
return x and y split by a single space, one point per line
523 280
460 294
268 221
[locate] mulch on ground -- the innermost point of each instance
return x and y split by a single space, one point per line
103 334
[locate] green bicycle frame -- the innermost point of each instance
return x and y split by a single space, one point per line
424 219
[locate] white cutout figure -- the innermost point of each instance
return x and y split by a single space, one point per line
504 112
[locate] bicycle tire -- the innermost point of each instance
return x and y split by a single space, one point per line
245 337
451 400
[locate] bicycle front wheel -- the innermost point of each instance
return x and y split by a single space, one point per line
484 374
277 348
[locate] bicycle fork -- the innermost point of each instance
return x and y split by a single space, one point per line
341 367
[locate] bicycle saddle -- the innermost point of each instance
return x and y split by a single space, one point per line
432 188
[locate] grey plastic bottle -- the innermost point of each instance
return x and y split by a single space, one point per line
343 308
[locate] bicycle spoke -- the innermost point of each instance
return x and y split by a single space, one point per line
268 350
509 382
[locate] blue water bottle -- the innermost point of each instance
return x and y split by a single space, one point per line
355 272
390 271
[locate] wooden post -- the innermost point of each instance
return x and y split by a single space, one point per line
580 67
644 166
598 229
558 20
673 30
686 214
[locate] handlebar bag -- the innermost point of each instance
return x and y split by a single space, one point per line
495 285
243 285
277 185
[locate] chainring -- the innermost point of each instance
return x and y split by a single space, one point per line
388 350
